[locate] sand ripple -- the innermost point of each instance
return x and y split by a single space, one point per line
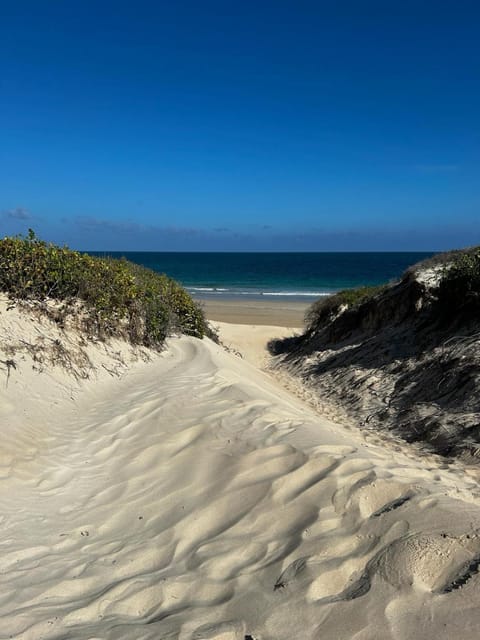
193 499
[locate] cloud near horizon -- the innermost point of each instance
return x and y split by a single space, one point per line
90 233
93 233
90 223
18 213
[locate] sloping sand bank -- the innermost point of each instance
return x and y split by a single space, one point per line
192 498
405 359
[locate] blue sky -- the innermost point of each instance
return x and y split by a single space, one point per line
241 125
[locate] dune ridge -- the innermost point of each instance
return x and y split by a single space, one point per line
186 495
403 357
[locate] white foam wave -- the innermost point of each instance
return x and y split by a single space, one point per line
258 293
210 289
297 293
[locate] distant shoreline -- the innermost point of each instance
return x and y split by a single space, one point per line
299 277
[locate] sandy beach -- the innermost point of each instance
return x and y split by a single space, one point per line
187 495
253 312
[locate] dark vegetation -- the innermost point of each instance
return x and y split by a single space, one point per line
459 290
456 298
405 356
441 259
327 309
108 297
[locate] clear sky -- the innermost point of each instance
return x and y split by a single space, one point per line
246 125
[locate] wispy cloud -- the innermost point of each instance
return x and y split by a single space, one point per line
95 233
90 223
436 168
102 234
19 213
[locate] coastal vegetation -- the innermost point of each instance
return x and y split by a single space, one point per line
326 309
455 294
404 356
107 297
459 288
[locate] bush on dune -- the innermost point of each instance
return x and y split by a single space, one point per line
119 297
453 297
459 288
327 309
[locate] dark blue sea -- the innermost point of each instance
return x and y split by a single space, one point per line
292 276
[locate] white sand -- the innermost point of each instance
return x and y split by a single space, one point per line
250 341
169 501
259 312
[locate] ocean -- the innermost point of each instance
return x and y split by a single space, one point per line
290 276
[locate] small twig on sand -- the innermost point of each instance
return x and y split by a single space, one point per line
9 364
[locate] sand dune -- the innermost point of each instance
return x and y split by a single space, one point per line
190 497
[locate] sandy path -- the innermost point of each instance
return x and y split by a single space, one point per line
193 499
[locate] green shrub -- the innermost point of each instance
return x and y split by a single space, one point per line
121 298
325 309
455 298
459 287
438 260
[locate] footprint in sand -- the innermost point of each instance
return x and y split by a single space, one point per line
290 573
228 630
381 497
347 581
439 563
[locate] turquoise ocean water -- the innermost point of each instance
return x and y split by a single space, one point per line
292 276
